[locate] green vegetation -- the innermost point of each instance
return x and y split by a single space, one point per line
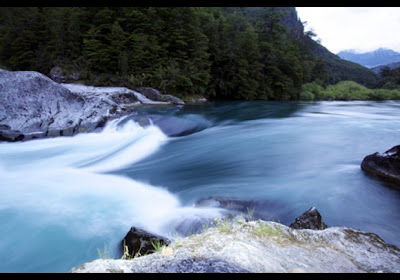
219 53
250 213
126 255
105 255
224 225
346 90
264 230
390 78
157 245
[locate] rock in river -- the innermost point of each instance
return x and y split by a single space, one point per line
385 166
154 94
248 208
34 106
142 242
311 219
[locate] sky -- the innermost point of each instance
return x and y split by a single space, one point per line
362 29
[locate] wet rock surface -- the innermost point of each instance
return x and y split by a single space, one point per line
385 166
260 246
263 246
34 106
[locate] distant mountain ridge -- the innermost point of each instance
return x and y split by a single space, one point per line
381 56
379 68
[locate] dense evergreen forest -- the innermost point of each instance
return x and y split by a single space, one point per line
390 77
225 53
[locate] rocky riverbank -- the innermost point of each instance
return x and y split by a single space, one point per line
260 246
243 245
34 106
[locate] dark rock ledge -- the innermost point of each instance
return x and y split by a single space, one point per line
141 242
311 219
385 166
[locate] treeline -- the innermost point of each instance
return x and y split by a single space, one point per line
390 78
347 90
233 53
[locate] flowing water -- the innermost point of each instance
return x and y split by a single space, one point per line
62 199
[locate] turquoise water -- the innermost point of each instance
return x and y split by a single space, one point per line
61 199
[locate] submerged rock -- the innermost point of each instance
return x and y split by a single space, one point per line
197 100
155 95
311 219
260 246
175 126
248 208
385 166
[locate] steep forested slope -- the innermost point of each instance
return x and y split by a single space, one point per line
234 53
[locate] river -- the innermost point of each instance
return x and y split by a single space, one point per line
63 199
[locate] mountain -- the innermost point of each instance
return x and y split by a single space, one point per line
378 69
337 69
371 59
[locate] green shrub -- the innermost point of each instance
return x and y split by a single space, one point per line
314 88
347 90
306 95
380 94
105 255
263 230
391 85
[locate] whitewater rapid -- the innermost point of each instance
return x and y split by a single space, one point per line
66 183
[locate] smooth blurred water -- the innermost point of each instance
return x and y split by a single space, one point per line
63 198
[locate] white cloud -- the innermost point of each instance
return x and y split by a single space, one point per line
361 28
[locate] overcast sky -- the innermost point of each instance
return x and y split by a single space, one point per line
361 28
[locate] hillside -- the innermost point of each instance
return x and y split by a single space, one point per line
218 53
391 66
338 69
371 59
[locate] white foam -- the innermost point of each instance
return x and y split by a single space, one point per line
61 181
130 144
101 91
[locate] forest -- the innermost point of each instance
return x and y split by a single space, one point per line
217 52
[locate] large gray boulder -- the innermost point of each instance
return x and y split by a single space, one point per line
34 106
260 246
385 166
